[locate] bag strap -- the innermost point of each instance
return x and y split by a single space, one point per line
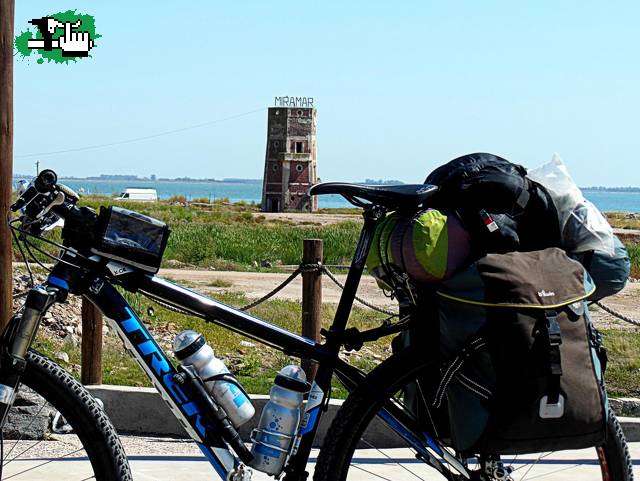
451 369
401 281
554 339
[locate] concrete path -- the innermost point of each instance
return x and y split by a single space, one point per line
161 459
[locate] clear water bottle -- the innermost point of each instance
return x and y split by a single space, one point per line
279 421
192 350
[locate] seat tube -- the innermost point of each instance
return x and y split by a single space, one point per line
371 218
296 468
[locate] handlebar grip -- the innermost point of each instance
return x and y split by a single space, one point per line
46 181
68 191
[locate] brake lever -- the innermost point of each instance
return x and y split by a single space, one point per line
58 200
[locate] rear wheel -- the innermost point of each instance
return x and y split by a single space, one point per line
57 431
356 449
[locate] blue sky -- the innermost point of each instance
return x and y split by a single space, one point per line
400 87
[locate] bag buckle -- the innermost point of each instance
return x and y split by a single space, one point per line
551 410
553 328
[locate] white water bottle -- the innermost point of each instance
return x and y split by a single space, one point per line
279 421
192 350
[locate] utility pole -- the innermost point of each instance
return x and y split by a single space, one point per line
37 167
7 9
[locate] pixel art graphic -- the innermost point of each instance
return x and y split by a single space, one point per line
59 38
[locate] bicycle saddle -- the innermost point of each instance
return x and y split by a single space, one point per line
390 196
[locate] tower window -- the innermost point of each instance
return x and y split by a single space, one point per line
300 113
299 147
299 167
276 143
275 166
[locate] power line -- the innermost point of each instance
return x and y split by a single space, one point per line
139 139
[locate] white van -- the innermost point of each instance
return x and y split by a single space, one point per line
144 195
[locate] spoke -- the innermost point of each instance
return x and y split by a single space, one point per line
533 465
43 464
556 471
20 454
44 403
389 457
369 472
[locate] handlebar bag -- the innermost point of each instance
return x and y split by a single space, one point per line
521 370
131 238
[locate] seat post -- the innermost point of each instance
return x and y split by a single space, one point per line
372 215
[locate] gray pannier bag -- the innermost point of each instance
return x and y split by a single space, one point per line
521 370
609 272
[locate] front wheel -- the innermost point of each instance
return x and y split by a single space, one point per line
352 450
55 430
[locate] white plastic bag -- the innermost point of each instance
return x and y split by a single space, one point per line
582 225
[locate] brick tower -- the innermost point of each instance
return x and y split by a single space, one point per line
290 161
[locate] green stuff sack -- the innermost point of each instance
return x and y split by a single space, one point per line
429 246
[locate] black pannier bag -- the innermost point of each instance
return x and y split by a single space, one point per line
520 368
131 238
502 208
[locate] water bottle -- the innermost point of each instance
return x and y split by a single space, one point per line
192 350
279 421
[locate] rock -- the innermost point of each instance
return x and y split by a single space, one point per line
30 417
625 406
174 263
63 356
265 263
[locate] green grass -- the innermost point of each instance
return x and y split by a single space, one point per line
203 244
231 237
634 255
622 220
623 370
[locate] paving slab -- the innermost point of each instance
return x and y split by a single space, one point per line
163 459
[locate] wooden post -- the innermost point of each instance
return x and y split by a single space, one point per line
91 369
311 299
7 8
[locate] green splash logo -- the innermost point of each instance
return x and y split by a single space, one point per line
60 37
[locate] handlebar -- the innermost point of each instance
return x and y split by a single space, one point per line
45 201
44 183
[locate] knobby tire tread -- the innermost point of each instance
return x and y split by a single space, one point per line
90 423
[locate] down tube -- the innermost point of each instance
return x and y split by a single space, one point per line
154 362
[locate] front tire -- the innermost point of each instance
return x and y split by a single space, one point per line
51 388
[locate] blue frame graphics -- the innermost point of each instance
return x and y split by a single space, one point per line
140 343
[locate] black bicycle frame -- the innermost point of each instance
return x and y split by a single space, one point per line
160 370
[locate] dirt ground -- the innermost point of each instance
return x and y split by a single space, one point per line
257 284
308 218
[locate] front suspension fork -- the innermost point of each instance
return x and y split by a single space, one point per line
16 341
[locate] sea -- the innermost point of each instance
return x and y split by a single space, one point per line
606 201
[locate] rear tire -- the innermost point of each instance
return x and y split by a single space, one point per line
358 411
90 424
